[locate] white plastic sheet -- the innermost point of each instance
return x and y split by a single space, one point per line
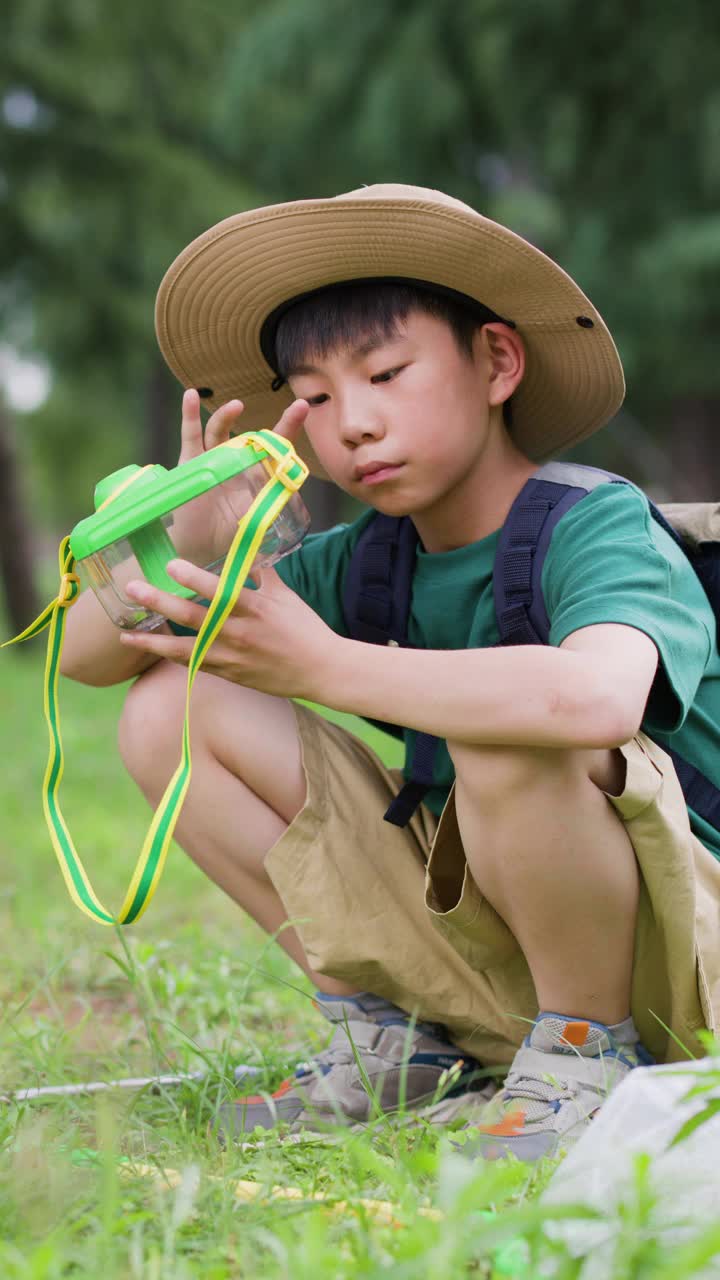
643 1115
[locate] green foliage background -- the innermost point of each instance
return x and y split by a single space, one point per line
125 131
591 131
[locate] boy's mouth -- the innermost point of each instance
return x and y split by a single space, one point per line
375 472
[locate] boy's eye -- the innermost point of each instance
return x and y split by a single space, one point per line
386 376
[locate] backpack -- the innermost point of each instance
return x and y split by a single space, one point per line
378 589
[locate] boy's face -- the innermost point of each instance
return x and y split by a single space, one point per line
403 425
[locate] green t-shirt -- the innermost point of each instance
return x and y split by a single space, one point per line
608 561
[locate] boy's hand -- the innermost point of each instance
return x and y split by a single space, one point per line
217 430
272 641
227 419
203 529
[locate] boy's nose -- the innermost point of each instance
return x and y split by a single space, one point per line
359 425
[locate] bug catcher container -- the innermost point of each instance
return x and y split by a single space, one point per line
146 516
234 507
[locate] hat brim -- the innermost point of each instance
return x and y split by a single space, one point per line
217 294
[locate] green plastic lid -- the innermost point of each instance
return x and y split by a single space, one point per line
154 493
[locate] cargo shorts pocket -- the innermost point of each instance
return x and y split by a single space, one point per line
457 908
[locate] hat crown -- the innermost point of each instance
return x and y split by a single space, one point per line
402 191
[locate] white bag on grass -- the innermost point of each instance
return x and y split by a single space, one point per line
643 1116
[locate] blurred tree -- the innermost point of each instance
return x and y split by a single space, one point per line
342 94
16 560
593 133
108 169
622 116
125 130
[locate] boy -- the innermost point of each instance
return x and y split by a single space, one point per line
551 904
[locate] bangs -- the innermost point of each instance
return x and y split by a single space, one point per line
342 317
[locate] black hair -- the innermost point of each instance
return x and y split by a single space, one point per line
342 315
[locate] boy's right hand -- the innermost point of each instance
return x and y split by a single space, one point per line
217 430
219 426
204 528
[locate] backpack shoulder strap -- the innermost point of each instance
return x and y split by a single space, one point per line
376 606
524 540
378 581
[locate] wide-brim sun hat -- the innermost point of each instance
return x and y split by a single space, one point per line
217 302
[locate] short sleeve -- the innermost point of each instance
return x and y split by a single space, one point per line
610 562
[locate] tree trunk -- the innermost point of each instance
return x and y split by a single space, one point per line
161 436
17 569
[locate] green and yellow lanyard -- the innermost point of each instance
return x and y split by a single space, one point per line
287 473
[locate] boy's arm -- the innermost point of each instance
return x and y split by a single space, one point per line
589 692
92 650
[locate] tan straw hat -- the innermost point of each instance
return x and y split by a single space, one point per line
215 299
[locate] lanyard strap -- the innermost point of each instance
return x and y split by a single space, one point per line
287 473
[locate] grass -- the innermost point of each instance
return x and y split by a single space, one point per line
85 1189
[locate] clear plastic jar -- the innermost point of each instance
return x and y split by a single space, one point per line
201 531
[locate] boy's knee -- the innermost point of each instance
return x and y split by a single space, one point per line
248 733
498 773
151 721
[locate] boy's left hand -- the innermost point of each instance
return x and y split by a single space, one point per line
272 641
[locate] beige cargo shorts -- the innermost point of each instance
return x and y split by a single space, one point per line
395 911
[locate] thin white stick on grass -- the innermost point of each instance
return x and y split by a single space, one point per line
241 1074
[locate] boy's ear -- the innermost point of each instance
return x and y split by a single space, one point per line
504 349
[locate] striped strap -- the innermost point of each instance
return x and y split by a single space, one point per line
287 473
